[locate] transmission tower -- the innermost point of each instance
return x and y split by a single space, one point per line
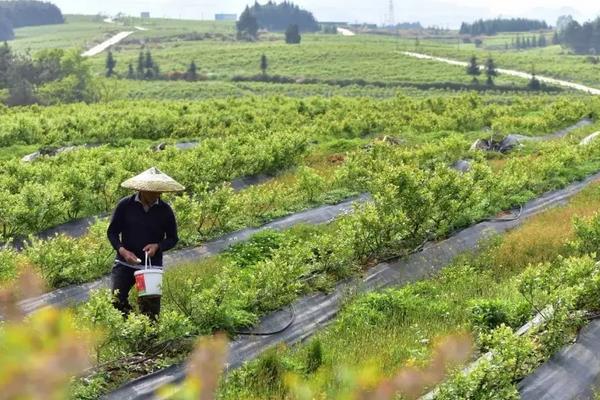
390 19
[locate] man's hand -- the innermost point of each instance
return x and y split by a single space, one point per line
151 249
130 258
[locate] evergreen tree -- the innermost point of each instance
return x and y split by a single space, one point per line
490 71
130 72
148 61
6 28
534 42
518 42
473 69
6 62
192 73
542 41
292 34
263 64
555 38
534 83
140 65
111 63
247 25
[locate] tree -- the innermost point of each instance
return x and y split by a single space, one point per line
278 17
562 22
534 83
191 73
555 38
263 64
247 26
493 26
140 66
148 61
130 72
21 93
6 62
542 41
111 63
490 71
473 69
6 28
292 34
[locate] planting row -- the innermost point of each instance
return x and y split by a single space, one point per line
337 117
52 190
206 214
490 294
414 200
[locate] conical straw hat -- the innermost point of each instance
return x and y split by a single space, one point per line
153 180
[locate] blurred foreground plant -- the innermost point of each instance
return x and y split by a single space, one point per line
206 365
204 370
39 353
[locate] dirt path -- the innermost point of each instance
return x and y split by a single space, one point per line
99 48
510 72
345 32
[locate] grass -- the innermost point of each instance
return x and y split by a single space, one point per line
318 56
394 328
77 32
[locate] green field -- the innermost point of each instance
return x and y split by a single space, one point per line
552 61
348 116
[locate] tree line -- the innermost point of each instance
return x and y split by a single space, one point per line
582 39
274 17
493 26
16 14
522 42
146 68
51 76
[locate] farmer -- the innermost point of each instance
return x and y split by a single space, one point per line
142 225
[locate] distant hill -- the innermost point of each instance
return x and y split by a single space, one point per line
277 17
17 14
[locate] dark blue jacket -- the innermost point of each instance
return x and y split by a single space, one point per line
133 228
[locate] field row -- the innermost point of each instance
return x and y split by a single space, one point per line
416 197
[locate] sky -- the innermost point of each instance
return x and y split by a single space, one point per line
443 13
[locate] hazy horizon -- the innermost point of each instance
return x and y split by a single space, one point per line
428 12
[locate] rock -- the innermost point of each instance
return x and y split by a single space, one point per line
509 143
186 145
392 140
480 144
31 157
462 166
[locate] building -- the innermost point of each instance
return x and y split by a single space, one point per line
225 17
145 14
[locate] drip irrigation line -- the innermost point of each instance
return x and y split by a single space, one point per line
290 322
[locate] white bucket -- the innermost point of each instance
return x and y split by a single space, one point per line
148 281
